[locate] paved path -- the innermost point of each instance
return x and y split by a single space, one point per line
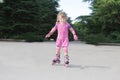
32 61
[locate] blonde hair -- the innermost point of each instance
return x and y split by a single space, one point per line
62 14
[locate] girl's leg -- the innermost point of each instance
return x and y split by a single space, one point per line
57 57
66 57
65 51
58 51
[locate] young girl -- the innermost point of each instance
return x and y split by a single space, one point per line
62 41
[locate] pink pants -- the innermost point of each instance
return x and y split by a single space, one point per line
62 44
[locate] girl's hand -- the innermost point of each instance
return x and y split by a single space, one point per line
47 36
75 37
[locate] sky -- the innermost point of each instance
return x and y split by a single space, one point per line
74 8
1 1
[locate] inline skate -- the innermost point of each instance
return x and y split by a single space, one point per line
56 60
66 61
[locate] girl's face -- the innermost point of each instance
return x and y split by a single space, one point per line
62 18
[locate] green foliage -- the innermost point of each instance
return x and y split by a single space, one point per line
95 38
23 28
29 37
114 37
18 17
104 19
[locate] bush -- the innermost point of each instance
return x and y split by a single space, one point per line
23 28
118 37
30 37
95 38
114 37
34 38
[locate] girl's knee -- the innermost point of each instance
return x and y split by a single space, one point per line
66 49
58 49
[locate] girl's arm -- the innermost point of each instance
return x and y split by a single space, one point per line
51 32
74 33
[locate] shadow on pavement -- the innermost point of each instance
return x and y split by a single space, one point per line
87 66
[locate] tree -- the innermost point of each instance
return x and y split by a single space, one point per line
104 19
20 17
107 13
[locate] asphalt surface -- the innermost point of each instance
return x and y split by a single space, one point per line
32 61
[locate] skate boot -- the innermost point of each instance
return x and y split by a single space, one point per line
56 60
66 61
